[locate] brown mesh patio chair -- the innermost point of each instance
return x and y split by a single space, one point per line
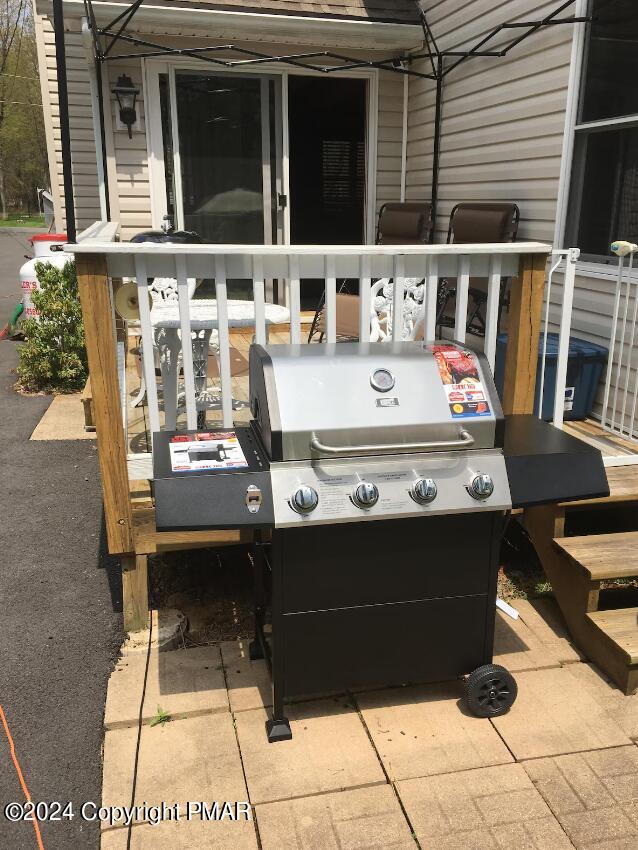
473 222
405 223
401 223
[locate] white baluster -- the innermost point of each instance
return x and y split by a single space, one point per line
365 284
295 298
221 291
331 299
632 339
397 297
187 348
548 297
462 286
621 347
563 337
614 334
429 333
492 308
148 355
259 296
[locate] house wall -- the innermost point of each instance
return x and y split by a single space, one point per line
127 168
503 128
503 118
83 150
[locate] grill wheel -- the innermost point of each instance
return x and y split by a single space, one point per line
490 691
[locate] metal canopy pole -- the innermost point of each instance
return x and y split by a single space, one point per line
100 102
65 134
436 159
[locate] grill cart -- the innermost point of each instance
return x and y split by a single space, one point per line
384 475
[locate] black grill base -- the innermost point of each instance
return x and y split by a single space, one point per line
375 604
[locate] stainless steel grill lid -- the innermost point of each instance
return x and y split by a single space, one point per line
371 399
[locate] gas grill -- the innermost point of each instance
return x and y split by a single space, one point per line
380 472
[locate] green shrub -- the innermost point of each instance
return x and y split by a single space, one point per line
53 356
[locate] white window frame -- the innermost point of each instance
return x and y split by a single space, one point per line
572 127
154 67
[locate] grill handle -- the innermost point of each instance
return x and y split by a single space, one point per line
464 441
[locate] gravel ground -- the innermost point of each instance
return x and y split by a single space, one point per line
61 603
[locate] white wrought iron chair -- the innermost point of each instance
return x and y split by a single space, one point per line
382 304
162 290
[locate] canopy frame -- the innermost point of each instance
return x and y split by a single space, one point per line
442 63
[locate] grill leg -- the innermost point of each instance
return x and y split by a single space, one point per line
277 729
256 648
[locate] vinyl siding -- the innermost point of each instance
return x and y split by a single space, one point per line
390 137
132 182
503 118
83 152
502 136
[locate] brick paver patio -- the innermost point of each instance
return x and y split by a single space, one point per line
395 768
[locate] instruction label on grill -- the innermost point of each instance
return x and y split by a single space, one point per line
206 450
461 381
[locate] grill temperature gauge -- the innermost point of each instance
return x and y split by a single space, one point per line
304 499
424 490
365 495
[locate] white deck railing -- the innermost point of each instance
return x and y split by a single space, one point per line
297 264
620 403
560 261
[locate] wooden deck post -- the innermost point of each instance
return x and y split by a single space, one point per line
524 326
135 592
95 296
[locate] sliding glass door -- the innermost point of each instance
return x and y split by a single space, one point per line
222 155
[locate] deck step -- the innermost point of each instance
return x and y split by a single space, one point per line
603 556
620 627
623 487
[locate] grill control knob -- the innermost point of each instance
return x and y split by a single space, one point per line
481 486
424 490
304 499
365 495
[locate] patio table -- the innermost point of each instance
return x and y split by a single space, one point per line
166 324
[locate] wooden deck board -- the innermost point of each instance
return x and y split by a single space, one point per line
623 487
621 627
603 556
611 445
148 540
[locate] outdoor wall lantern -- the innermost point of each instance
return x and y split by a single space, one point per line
126 93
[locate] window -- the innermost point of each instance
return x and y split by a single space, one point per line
603 203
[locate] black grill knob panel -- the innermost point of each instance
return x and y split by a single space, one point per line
424 490
304 499
481 486
365 495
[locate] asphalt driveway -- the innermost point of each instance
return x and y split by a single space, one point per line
60 620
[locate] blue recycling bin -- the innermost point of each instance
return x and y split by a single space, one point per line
584 369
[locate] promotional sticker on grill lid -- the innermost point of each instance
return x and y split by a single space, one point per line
461 381
206 450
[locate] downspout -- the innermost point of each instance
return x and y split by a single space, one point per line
65 134
571 116
97 107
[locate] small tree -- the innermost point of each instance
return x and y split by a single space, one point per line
53 356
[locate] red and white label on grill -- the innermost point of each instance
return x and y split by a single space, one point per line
461 381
